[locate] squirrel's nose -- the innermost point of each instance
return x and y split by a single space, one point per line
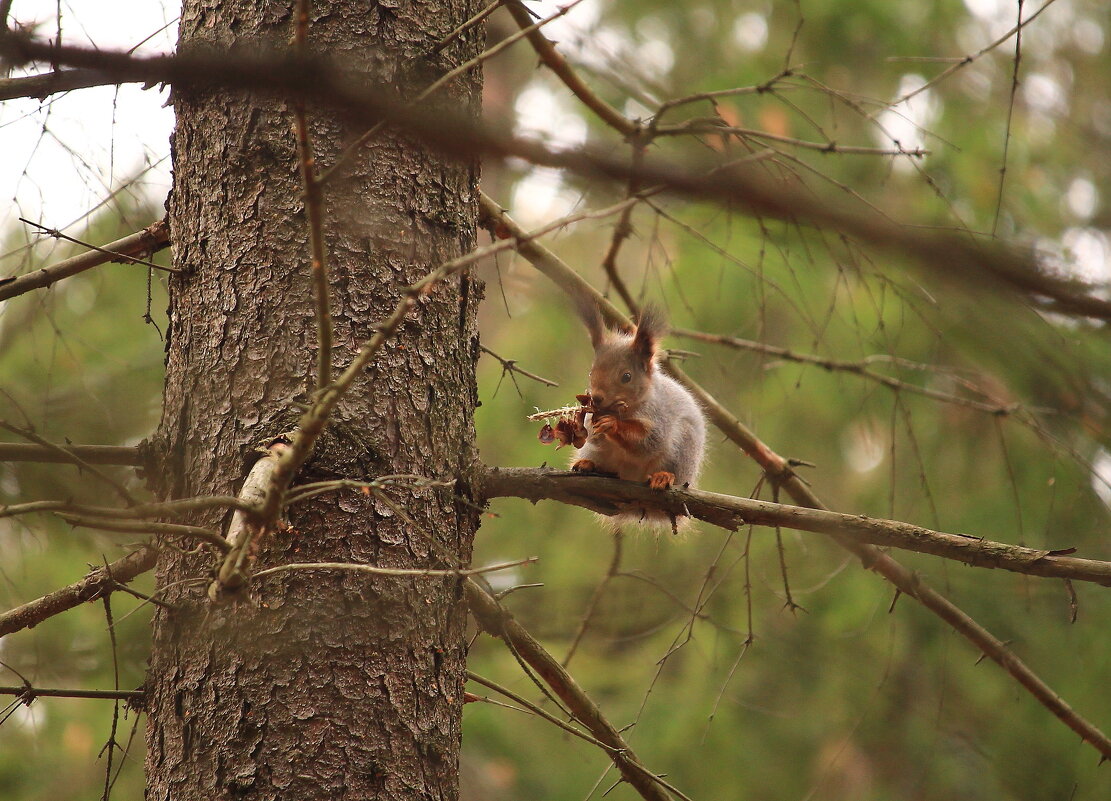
598 400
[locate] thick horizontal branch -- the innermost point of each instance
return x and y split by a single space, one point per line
355 95
93 454
98 581
150 240
609 496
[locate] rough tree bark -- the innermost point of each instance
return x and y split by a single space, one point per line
320 684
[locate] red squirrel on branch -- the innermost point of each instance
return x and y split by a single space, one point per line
643 425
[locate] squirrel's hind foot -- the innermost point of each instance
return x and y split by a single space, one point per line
584 466
661 480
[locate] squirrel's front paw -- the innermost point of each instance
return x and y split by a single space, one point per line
606 424
584 466
661 480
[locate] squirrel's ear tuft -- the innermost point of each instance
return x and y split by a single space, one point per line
650 329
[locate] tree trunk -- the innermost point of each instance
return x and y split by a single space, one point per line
320 684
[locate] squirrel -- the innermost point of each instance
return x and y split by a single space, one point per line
644 425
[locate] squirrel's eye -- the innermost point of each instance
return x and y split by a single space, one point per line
626 377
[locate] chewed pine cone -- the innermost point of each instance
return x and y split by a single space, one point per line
570 427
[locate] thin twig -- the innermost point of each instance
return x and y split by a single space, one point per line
534 709
28 693
113 255
596 597
715 95
139 511
200 533
968 59
510 365
713 127
466 26
860 368
1074 602
1010 117
790 603
394 571
303 492
111 745
624 227
314 212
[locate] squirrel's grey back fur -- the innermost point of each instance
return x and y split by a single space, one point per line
678 428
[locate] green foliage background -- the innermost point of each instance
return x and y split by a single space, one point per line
850 699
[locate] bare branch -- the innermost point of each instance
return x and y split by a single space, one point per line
557 64
53 453
596 597
73 458
693 127
149 240
1010 118
28 693
497 621
862 368
466 26
624 228
609 496
713 96
139 511
534 709
98 580
49 83
303 492
124 258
